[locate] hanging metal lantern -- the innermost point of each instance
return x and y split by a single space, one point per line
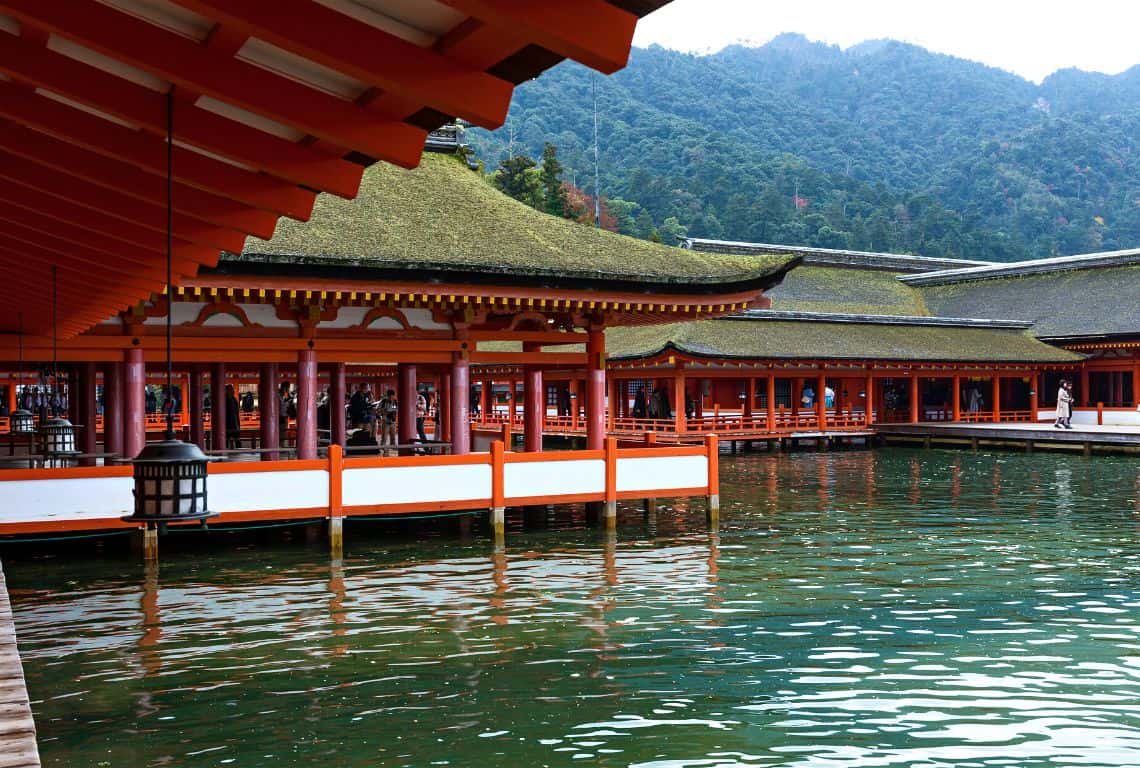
170 483
58 439
22 422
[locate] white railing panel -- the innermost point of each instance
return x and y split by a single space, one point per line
88 498
554 478
662 473
258 491
414 485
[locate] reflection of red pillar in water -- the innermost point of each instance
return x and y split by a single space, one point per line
915 481
336 607
152 623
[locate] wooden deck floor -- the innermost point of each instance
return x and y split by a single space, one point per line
17 730
1086 437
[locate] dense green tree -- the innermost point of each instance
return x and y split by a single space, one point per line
894 147
552 183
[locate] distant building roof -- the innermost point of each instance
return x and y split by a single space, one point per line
816 288
766 335
441 222
1072 297
893 262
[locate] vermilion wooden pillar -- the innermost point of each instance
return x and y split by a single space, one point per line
86 410
307 404
915 396
218 407
406 397
269 409
679 400
1136 385
534 405
13 382
1034 397
460 403
337 384
997 398
134 401
1084 397
573 386
596 391
956 398
612 403
443 409
869 400
770 409
113 408
193 397
821 401
749 395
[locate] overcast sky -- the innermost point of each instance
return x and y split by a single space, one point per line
1030 37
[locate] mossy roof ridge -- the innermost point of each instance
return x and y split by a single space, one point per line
1087 302
816 340
855 291
445 218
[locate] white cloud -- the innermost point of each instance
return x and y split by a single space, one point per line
1032 39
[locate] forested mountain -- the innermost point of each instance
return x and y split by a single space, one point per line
883 146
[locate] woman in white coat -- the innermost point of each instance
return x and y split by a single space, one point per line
1064 405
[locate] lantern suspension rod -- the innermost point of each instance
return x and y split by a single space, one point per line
54 334
168 401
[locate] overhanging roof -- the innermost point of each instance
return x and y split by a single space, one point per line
273 101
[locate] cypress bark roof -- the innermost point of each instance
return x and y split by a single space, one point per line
810 288
776 336
443 222
1101 301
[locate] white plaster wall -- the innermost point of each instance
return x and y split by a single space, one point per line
409 485
554 478
346 317
25 501
1081 416
421 318
253 491
662 473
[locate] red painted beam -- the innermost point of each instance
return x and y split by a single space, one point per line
66 161
141 106
192 65
187 257
148 153
591 32
367 54
114 214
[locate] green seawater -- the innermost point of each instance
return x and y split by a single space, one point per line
886 608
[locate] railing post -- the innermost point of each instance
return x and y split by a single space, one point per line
498 499
712 449
1100 413
506 435
650 439
610 509
336 501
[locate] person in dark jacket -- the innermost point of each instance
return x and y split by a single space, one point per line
233 419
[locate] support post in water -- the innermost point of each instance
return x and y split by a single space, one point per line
609 511
336 502
498 503
712 448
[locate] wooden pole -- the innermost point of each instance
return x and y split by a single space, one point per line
679 400
307 404
821 401
915 397
596 391
134 397
770 413
461 404
869 400
997 398
338 429
218 406
443 408
269 409
956 398
1034 397
406 400
534 409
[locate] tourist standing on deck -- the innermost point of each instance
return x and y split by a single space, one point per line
389 407
361 409
285 406
421 414
233 419
1064 405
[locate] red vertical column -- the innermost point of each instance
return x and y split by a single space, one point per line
193 396
596 391
534 404
113 418
1034 397
821 401
679 400
406 396
869 400
307 404
86 409
218 406
134 401
269 409
13 381
956 398
997 398
915 396
1136 385
460 403
443 409
1084 397
337 384
770 409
